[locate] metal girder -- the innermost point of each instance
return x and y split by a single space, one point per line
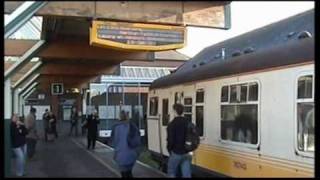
29 83
21 15
24 59
25 96
29 89
28 74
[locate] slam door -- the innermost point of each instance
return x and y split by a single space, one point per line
153 125
164 118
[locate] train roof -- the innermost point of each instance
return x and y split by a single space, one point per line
251 51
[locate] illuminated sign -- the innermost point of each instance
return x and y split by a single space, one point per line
56 88
135 36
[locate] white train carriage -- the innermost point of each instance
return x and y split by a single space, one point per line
255 112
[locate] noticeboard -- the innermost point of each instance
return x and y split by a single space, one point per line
137 36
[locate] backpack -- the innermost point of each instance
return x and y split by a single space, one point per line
134 138
192 137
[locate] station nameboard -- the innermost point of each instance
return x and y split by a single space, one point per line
137 36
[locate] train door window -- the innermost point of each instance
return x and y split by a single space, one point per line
239 117
200 96
165 112
188 108
200 111
153 106
178 97
305 113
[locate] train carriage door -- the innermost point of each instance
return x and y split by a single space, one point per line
153 125
164 118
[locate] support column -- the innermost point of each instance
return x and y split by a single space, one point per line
7 117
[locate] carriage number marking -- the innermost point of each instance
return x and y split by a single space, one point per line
239 165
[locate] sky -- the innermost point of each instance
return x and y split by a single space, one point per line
245 16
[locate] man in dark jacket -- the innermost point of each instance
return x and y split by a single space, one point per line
74 121
92 125
18 143
179 156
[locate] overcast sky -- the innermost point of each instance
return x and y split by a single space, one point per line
245 16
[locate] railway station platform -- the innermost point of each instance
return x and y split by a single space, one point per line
68 157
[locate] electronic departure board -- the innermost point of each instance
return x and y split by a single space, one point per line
137 36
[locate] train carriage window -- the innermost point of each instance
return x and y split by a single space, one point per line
305 87
225 94
200 111
239 117
188 108
243 94
305 114
199 119
165 112
233 93
253 92
153 106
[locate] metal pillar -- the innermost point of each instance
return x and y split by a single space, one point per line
7 120
21 15
139 104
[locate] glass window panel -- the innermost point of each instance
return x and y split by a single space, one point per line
187 101
305 120
239 123
233 93
253 91
243 94
153 106
187 109
305 87
199 119
224 93
200 96
165 110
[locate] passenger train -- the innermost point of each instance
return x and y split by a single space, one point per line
252 100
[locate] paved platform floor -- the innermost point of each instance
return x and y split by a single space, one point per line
68 157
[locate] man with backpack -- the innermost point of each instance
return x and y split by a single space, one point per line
182 139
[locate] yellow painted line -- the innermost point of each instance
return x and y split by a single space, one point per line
98 159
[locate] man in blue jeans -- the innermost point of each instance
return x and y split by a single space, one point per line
179 156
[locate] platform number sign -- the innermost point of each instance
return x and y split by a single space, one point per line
56 88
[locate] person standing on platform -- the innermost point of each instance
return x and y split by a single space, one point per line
126 141
18 142
74 121
53 124
32 132
176 139
92 125
45 121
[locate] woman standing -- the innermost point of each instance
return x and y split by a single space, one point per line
126 141
18 143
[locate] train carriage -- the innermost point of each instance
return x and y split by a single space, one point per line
252 100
